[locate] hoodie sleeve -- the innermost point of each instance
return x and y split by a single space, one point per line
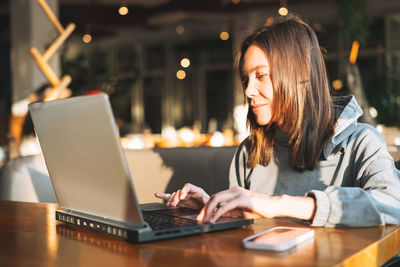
374 196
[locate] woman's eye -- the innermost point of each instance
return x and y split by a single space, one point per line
261 76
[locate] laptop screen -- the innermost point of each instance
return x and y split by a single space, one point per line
80 144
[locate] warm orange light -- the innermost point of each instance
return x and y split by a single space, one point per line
269 21
180 29
337 84
235 2
123 10
181 74
354 52
87 38
224 36
52 236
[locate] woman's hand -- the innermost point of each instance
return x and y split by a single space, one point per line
189 196
254 205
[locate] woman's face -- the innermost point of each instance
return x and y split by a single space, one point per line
258 85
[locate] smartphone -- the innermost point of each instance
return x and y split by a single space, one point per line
278 238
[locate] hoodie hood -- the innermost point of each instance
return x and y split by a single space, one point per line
347 111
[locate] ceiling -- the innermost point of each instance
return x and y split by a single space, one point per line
144 3
101 16
149 3
158 13
153 13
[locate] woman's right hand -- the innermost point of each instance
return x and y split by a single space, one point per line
190 196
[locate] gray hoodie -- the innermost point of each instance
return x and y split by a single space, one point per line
356 183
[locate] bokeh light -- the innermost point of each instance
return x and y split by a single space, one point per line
185 62
123 10
283 11
224 36
354 52
181 74
379 128
87 38
180 29
373 112
398 100
270 20
337 84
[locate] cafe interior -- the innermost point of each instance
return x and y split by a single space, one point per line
169 66
169 69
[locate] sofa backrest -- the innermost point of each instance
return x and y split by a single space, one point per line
26 179
152 170
168 169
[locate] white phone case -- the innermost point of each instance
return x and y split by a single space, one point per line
278 238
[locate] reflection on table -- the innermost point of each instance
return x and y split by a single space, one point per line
31 236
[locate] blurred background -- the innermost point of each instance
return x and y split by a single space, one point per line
168 66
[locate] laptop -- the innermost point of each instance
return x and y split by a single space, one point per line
91 179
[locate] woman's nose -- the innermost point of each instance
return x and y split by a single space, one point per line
250 90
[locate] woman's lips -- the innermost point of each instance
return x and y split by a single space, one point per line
257 106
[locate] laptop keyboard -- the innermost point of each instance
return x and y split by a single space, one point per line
159 221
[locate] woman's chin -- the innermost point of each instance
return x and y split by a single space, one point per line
262 116
262 121
262 124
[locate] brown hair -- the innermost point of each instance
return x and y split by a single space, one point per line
302 105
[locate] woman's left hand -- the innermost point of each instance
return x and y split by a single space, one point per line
239 201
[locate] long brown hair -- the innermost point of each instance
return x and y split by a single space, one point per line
302 105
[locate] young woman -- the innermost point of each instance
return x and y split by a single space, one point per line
307 156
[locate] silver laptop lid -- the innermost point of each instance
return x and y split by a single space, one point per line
87 166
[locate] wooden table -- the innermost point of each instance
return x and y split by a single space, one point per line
30 236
